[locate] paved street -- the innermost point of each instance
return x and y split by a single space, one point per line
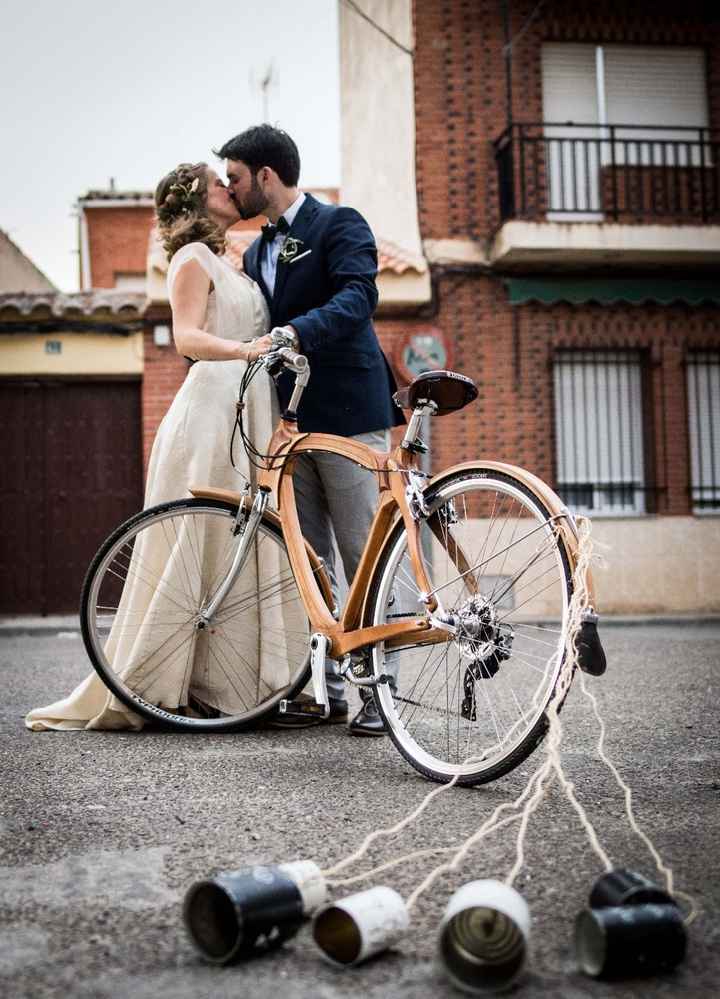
102 832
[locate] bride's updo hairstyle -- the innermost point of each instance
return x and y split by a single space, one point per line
181 204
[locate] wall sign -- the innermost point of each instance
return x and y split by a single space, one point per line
421 350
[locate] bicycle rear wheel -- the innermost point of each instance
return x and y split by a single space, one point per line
140 607
473 706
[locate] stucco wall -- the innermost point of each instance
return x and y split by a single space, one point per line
658 565
378 120
79 354
17 272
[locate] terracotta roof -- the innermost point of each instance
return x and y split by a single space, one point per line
128 304
110 195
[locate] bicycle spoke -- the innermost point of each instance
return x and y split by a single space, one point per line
481 693
147 593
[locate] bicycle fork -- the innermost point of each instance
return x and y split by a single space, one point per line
249 530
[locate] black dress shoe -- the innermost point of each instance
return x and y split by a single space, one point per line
368 721
339 712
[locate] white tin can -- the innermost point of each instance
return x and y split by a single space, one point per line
359 926
483 939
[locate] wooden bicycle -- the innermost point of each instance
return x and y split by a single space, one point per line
456 617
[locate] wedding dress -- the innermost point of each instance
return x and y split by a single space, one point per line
191 448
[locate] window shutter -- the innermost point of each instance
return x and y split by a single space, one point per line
703 388
569 83
598 421
656 85
570 94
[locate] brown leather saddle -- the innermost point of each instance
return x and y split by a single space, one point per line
447 389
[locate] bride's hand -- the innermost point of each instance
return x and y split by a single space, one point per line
256 348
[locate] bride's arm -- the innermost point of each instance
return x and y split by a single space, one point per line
189 299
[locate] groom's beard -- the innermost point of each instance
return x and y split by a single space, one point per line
254 203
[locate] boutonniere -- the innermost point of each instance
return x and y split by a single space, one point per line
290 249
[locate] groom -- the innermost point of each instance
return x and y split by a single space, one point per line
316 265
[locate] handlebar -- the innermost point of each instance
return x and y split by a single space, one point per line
296 362
286 358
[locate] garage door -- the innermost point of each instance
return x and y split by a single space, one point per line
70 470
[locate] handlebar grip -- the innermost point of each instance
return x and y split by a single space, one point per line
298 362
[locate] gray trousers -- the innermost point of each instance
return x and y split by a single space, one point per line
336 501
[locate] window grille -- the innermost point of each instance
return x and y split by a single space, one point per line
599 431
703 394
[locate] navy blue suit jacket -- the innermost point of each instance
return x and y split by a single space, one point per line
329 296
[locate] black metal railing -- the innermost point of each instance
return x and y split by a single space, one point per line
618 172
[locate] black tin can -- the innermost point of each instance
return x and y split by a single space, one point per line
622 941
239 914
623 887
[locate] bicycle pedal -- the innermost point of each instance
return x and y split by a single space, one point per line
302 709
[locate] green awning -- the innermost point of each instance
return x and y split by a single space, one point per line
612 291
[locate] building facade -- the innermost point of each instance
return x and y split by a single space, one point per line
566 183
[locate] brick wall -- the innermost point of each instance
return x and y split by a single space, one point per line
118 242
461 93
164 373
461 106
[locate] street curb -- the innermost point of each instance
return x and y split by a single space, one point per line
55 624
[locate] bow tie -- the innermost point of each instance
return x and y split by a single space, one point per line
270 231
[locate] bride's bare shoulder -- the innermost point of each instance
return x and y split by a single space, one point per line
193 253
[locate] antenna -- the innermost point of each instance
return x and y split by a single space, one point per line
267 80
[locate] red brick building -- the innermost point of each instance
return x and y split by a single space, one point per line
566 181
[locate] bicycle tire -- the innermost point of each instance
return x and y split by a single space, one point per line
486 656
197 713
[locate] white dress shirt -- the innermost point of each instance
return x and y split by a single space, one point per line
271 250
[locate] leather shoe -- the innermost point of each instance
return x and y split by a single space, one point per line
338 715
368 721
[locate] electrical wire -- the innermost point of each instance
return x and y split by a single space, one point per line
366 17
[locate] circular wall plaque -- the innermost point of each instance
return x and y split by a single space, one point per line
421 350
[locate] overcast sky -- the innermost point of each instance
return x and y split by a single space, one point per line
93 90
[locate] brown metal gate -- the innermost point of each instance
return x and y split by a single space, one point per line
70 471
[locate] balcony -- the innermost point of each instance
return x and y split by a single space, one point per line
574 195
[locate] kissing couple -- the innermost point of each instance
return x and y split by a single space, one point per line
308 283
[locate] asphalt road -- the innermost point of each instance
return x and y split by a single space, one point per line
102 833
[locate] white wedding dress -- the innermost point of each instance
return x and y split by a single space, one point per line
192 447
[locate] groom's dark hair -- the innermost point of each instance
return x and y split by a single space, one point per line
264 145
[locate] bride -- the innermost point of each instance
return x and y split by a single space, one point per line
219 315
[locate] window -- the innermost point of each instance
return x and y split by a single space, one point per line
658 93
703 394
598 431
129 281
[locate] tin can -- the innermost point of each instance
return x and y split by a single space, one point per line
238 914
627 940
624 887
483 939
350 931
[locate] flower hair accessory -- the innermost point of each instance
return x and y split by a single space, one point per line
185 194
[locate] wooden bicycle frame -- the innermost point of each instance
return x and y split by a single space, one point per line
347 634
392 468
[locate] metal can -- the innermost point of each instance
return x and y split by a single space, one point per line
483 939
621 941
360 926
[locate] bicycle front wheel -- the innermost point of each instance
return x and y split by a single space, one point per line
140 616
473 706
